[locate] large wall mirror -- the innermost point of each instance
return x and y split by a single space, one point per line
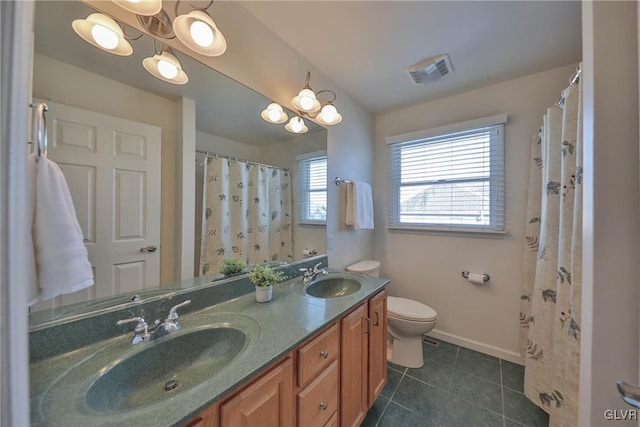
117 131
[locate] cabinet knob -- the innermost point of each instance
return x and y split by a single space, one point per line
324 406
324 354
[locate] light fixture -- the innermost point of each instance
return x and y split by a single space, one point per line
307 104
141 7
199 32
165 66
274 114
296 125
104 33
196 30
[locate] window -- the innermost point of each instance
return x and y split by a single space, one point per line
449 179
313 189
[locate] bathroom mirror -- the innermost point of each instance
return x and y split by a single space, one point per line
69 72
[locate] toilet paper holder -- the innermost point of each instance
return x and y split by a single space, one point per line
485 276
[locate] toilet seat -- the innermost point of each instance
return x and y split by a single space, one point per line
406 309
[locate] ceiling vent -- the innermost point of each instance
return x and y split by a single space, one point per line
431 69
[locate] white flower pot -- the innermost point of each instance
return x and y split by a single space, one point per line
263 294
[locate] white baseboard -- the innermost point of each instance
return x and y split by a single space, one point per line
478 346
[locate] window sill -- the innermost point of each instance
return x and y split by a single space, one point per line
460 232
313 224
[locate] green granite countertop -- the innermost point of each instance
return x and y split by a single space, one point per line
58 384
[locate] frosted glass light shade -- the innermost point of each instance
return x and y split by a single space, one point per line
104 33
164 66
306 101
199 32
274 114
329 115
140 7
296 125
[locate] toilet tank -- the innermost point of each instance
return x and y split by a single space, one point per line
366 266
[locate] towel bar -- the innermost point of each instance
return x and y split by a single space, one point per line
339 181
39 132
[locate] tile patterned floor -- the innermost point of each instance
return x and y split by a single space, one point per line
456 387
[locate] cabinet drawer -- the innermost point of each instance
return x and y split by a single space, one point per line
319 401
316 355
333 421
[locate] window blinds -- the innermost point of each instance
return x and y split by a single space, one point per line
313 190
451 181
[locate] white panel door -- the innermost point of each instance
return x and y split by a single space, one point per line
112 167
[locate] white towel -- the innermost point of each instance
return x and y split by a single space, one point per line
61 261
359 206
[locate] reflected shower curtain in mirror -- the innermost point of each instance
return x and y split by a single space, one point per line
552 286
246 213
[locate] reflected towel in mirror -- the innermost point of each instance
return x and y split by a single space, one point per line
59 258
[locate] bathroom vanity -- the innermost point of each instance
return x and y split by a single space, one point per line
297 360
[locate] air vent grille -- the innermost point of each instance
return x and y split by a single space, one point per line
431 69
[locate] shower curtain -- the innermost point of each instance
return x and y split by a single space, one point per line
551 297
246 213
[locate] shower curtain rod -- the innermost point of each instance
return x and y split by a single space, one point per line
224 156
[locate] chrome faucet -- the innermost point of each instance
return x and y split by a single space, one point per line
142 332
311 274
171 322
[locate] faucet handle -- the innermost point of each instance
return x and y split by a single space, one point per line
316 270
141 326
141 331
307 271
173 313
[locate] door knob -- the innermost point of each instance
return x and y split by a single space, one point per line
150 248
629 393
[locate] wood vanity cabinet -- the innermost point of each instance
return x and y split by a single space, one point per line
363 358
318 379
265 402
330 380
377 346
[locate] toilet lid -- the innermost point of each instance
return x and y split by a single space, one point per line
364 266
404 308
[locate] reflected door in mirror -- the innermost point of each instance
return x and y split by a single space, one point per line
112 167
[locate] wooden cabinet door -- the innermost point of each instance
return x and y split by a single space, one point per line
207 418
267 402
353 364
377 345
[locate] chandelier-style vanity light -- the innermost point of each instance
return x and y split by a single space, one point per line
197 30
104 33
306 104
165 66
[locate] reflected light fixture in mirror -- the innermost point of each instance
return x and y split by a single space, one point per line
165 66
296 125
196 30
307 104
141 7
274 113
104 33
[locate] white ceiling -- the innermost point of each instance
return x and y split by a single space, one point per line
364 46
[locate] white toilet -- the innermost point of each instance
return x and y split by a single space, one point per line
407 322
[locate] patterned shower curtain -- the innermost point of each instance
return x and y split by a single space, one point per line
552 286
246 213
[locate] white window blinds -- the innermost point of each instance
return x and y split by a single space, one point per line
451 181
313 190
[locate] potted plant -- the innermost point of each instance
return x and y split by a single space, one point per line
232 266
264 277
